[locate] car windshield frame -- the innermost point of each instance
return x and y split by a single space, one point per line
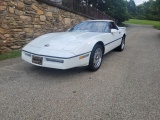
91 26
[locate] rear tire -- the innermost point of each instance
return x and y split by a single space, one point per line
122 45
96 58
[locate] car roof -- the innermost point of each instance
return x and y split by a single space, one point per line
102 20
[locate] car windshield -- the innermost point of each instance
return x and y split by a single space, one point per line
91 26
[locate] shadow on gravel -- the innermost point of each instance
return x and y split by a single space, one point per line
55 73
45 73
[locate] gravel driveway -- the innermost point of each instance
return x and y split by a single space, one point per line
126 87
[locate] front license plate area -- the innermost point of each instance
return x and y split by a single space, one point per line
37 60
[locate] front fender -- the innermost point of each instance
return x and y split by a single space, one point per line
86 48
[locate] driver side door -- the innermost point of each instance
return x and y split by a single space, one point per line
116 35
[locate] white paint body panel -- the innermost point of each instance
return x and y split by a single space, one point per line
69 46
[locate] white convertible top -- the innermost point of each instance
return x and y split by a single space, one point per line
102 20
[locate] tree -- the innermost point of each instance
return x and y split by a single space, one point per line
114 8
149 10
132 8
157 8
117 9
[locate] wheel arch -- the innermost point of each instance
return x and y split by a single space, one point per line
91 65
89 47
102 44
124 36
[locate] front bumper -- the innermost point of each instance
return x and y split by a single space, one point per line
57 62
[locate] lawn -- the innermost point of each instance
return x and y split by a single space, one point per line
12 54
156 24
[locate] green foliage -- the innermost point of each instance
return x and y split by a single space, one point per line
149 10
12 54
114 8
122 10
157 27
132 8
118 9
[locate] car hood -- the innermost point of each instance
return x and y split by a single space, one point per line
67 41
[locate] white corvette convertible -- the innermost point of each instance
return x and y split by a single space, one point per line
83 45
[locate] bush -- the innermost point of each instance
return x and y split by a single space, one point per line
157 27
141 17
152 17
147 17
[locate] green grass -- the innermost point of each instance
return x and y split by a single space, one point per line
12 54
156 24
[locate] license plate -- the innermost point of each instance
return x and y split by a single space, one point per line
37 60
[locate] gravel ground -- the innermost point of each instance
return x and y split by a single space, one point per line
126 87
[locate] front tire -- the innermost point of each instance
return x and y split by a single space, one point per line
96 58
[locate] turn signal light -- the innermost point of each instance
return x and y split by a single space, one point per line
84 56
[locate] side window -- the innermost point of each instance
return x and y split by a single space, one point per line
113 26
107 28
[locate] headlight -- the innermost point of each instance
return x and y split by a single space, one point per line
27 54
55 60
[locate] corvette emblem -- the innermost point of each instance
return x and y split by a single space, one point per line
47 45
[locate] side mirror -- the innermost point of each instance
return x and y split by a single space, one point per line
114 31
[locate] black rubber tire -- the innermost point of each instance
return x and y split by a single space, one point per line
91 64
119 48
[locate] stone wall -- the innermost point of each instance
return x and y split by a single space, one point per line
23 20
